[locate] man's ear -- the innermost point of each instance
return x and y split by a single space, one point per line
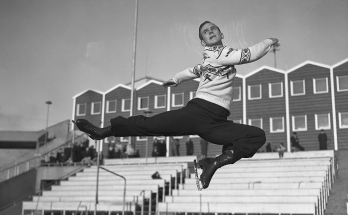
222 36
203 43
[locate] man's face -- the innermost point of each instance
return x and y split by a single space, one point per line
211 34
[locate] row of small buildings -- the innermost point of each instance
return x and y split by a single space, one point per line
304 99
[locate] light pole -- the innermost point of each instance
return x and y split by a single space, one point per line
147 112
274 50
48 109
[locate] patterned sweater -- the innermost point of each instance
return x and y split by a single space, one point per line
217 71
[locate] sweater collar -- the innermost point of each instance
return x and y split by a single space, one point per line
217 48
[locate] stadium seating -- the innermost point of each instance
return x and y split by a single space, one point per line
298 184
142 192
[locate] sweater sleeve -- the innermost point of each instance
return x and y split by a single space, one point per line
187 74
247 55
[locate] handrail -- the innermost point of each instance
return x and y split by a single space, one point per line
124 189
41 189
34 158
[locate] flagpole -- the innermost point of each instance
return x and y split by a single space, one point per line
132 102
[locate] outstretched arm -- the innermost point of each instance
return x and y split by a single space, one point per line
247 55
187 74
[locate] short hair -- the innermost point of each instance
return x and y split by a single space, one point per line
201 26
294 133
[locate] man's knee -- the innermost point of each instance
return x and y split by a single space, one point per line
260 134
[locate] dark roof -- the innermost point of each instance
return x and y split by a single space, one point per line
19 136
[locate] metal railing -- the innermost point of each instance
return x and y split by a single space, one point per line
24 166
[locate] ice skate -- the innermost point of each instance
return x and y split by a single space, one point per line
92 131
209 167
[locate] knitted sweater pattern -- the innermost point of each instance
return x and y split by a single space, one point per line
217 72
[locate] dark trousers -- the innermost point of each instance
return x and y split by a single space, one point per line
200 117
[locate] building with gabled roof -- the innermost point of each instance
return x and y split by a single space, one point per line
304 99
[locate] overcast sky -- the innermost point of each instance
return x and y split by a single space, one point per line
55 49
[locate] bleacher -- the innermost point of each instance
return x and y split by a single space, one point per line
298 184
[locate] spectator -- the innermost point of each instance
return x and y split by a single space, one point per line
295 141
189 146
86 159
204 148
47 158
67 153
80 151
118 150
92 152
84 153
111 152
59 156
322 137
156 143
156 175
175 147
281 148
155 152
162 149
53 158
85 143
129 150
75 153
268 147
69 161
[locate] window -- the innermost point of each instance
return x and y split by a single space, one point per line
194 136
109 140
277 124
143 103
320 85
342 83
256 122
112 139
141 138
96 107
126 105
254 92
192 95
111 106
343 120
299 123
124 139
160 138
236 94
81 109
322 121
297 88
160 101
238 121
178 99
275 90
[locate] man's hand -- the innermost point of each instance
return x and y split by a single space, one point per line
274 40
169 83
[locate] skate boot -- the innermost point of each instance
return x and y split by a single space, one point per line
209 166
92 131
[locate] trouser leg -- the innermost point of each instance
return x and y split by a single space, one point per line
185 121
244 140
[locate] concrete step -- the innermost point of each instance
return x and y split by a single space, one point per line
337 202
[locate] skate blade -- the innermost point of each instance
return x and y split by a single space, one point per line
198 182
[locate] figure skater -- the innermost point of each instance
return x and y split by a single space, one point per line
206 114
